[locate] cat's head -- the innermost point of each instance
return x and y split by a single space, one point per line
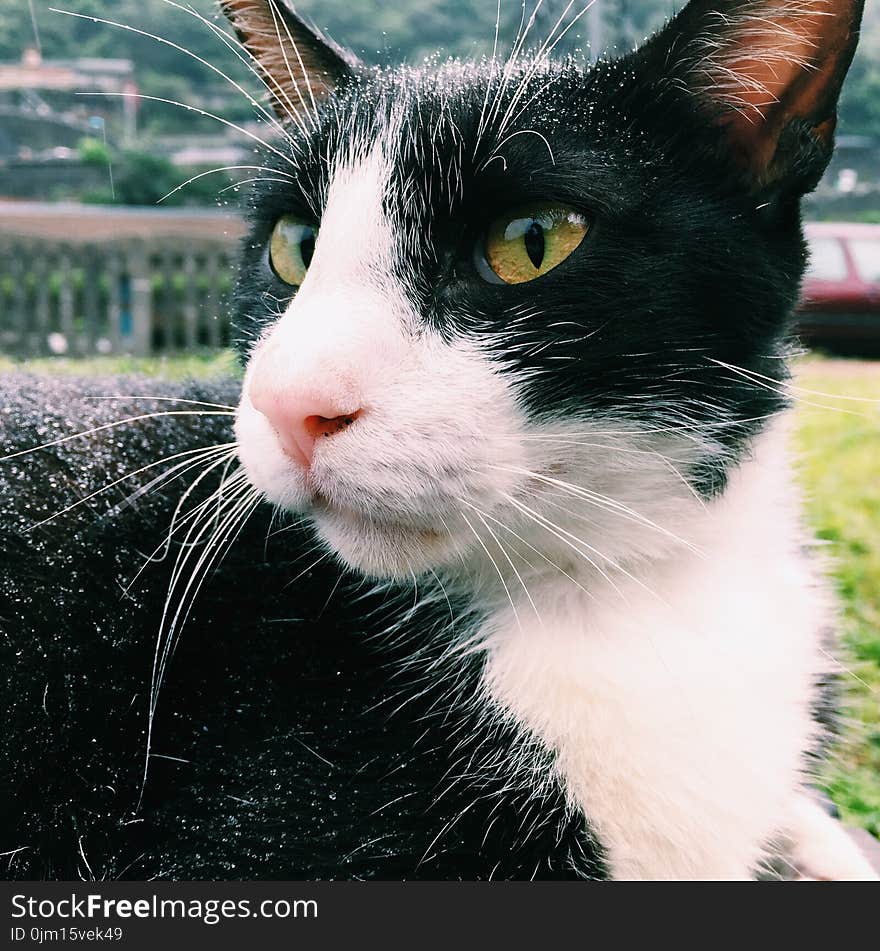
525 312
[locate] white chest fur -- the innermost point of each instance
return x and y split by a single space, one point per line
679 716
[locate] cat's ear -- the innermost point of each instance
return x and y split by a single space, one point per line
299 64
769 72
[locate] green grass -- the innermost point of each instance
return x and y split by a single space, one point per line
839 446
838 443
199 365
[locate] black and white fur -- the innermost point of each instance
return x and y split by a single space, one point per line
613 651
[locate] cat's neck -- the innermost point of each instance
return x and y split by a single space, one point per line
670 534
677 658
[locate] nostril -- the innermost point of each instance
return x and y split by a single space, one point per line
323 426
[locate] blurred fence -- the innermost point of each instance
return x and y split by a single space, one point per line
82 281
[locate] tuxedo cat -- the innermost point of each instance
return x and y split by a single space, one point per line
530 597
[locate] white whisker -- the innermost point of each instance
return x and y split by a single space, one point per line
113 425
494 565
198 454
506 556
181 49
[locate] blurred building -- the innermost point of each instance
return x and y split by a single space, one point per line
850 188
43 117
46 112
42 105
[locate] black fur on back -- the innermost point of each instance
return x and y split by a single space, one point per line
289 743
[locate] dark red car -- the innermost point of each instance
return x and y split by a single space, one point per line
840 301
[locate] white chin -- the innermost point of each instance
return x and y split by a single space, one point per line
383 551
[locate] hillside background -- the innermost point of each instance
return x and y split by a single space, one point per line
378 31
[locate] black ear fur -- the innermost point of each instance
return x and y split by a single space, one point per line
769 73
299 64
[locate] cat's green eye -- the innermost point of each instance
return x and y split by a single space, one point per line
529 241
291 248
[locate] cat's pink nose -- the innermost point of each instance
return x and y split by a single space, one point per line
301 419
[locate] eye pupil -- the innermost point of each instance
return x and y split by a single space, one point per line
307 247
534 242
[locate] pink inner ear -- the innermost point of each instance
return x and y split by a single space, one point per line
768 58
299 66
774 69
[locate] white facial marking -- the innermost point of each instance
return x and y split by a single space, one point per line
432 417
